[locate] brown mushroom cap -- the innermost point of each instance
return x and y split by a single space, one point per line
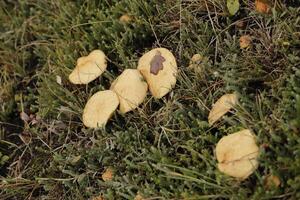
131 89
159 68
99 108
88 68
221 107
237 154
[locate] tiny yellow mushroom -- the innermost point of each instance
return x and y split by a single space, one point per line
131 89
159 68
100 108
237 154
88 68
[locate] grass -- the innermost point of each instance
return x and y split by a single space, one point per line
164 149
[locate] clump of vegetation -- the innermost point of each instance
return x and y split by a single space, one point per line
166 148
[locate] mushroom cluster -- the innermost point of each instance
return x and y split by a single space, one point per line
158 67
157 71
236 153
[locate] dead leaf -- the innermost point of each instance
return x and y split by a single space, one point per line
125 18
138 197
24 117
75 160
100 197
237 154
26 137
240 24
156 63
221 107
262 6
245 41
108 174
272 181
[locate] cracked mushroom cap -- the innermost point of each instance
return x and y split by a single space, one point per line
237 154
131 89
159 68
88 68
99 108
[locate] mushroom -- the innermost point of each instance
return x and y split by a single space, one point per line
221 107
99 108
245 41
125 18
159 68
131 89
237 154
108 174
88 68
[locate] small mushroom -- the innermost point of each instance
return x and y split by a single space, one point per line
125 18
237 154
159 68
100 108
88 68
131 89
245 41
108 174
221 107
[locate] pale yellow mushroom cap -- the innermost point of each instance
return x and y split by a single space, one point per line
131 89
221 107
99 108
159 68
237 154
88 68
